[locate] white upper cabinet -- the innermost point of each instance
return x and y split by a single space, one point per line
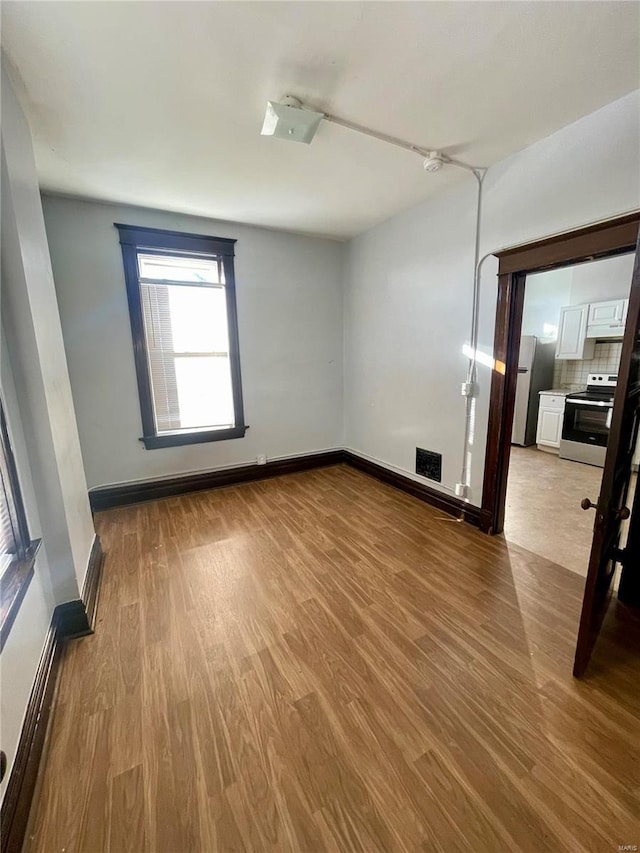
607 319
572 333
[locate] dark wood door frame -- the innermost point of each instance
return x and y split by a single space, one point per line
613 237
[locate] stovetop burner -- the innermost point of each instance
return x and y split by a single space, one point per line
600 388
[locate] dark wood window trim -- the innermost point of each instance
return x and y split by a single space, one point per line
612 237
13 588
134 239
19 573
152 442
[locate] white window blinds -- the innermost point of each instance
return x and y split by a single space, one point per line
184 309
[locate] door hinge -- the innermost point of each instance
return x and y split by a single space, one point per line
619 555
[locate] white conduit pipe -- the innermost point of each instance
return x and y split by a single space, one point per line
479 174
472 371
374 134
469 424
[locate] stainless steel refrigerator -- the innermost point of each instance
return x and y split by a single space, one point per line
535 374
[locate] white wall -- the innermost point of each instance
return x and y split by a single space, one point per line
37 396
407 304
34 336
598 281
290 327
545 294
409 282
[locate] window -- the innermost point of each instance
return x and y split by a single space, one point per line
17 553
181 292
14 535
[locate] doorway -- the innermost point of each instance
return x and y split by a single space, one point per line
604 240
570 346
617 505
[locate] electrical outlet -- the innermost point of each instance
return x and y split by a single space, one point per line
262 459
429 464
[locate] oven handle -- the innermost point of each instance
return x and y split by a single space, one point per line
595 403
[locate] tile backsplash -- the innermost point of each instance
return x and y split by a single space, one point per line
606 359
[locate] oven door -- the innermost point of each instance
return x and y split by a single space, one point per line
587 421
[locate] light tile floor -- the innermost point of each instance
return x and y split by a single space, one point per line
543 512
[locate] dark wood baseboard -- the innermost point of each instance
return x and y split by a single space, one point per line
91 587
24 773
151 490
69 620
130 493
14 815
445 503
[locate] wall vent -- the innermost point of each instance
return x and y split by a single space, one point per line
429 464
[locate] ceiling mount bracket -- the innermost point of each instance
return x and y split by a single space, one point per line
292 101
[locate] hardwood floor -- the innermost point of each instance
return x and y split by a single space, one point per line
320 662
543 512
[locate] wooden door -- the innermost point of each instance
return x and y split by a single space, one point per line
611 508
629 589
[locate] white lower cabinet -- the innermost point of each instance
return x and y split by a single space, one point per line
550 417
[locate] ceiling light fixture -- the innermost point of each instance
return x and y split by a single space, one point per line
288 119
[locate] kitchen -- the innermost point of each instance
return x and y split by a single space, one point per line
570 347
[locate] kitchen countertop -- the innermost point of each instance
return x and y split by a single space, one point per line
562 392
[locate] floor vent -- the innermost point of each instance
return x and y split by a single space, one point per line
429 464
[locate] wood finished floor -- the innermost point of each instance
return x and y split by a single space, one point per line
320 662
543 512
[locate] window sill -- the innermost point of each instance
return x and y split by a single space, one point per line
152 442
13 586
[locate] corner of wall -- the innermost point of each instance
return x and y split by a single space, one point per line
34 342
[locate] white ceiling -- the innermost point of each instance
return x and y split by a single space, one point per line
161 103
